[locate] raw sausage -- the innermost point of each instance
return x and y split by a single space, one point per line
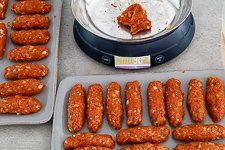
3 38
146 146
3 8
93 148
200 146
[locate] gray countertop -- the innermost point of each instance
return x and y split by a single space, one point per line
203 53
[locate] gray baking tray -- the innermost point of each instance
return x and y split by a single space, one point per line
60 131
47 97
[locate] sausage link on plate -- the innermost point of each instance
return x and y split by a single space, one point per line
30 37
146 146
3 38
27 87
3 8
94 107
28 53
174 102
133 103
19 105
215 98
76 108
200 146
143 134
25 71
93 148
195 101
199 133
89 139
31 7
114 105
156 103
27 22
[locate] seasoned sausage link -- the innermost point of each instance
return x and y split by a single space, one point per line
93 148
27 87
156 103
199 133
146 146
76 108
89 139
114 105
94 107
215 98
133 103
143 134
174 102
200 146
19 105
3 8
30 37
28 53
3 38
25 71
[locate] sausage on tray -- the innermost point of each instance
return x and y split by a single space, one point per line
215 98
200 146
28 53
31 7
94 107
27 87
19 105
76 108
89 139
3 8
195 101
30 37
114 105
93 148
3 38
146 146
133 103
143 134
25 71
156 103
174 102
27 22
199 133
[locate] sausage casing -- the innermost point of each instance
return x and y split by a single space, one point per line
30 37
174 102
27 87
114 105
93 148
27 22
3 38
143 134
156 103
199 133
94 107
146 146
215 98
3 8
31 7
25 71
28 53
19 105
89 139
133 103
76 108
200 146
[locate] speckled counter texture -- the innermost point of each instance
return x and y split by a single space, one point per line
203 53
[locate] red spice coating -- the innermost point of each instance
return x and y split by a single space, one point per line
25 71
89 139
28 53
76 108
19 105
114 105
94 107
174 102
215 98
199 133
27 87
143 134
200 146
30 37
146 146
133 103
93 148
31 7
156 103
3 38
27 22
3 8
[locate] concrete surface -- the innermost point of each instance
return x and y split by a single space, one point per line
203 53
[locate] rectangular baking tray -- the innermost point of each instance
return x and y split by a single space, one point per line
61 132
47 96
